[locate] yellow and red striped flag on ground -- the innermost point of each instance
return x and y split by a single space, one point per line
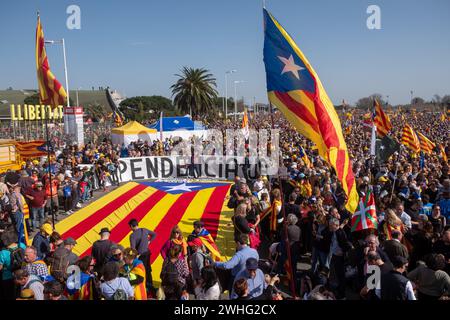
51 92
31 149
410 139
381 120
426 145
296 90
157 206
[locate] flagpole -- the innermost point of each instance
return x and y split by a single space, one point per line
49 169
395 178
286 237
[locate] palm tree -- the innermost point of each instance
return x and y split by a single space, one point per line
195 91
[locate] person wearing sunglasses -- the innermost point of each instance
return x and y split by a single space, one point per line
176 238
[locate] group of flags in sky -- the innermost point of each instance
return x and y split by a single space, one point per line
415 141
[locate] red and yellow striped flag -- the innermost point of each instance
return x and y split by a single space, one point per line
31 149
426 145
157 206
381 120
410 139
51 92
295 88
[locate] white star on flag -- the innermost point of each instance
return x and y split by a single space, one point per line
180 187
290 66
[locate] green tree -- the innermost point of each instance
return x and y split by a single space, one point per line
195 91
144 108
34 100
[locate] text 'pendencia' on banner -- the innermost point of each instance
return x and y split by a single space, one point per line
35 112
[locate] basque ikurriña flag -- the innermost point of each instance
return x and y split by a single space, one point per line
51 92
365 216
295 88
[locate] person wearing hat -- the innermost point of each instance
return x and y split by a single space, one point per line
41 241
26 294
135 271
101 249
198 259
62 258
256 280
38 199
394 285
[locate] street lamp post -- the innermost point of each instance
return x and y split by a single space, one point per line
235 98
66 126
226 91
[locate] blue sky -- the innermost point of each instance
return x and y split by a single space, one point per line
136 47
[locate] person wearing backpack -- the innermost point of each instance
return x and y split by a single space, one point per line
115 287
198 259
62 258
29 281
11 259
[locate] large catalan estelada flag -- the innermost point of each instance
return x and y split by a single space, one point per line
157 206
410 139
32 149
426 145
51 92
296 90
381 120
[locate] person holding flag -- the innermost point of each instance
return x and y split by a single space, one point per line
136 273
207 240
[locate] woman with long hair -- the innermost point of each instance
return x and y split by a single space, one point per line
390 223
240 222
208 287
176 238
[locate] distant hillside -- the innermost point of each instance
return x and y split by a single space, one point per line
89 99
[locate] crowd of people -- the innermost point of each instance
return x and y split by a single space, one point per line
279 224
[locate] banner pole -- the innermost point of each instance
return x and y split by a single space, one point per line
286 237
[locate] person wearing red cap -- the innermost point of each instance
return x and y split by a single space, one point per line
198 259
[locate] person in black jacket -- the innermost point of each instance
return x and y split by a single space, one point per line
394 285
240 222
339 247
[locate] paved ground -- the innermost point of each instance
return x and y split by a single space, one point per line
61 216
